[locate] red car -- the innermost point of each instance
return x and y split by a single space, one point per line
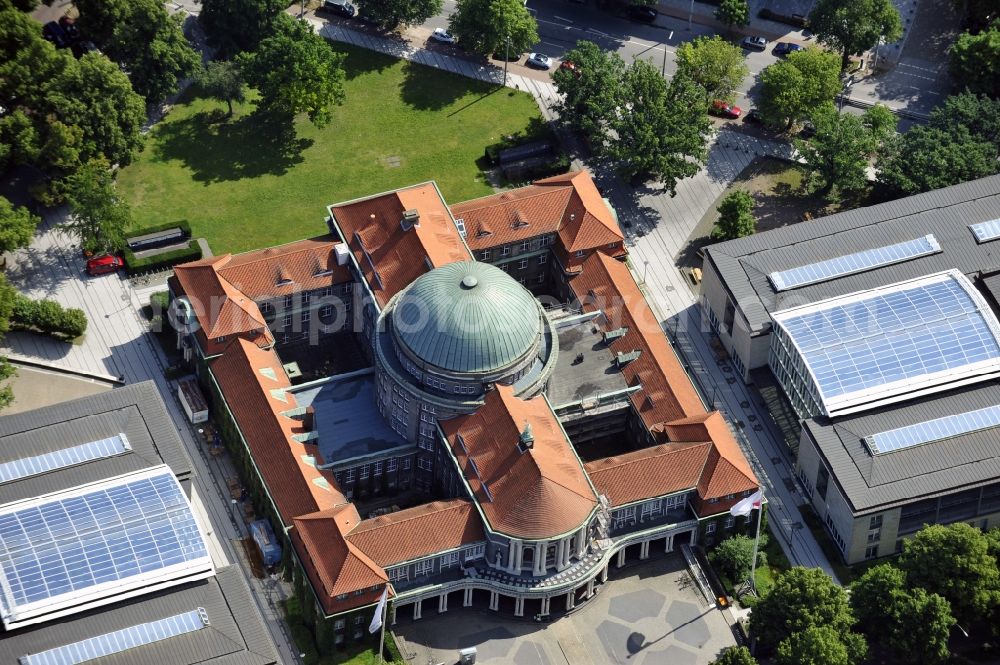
724 110
101 265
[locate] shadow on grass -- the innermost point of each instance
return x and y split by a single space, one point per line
218 149
359 62
428 89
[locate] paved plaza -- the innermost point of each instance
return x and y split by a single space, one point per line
647 614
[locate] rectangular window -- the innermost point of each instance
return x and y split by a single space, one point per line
730 521
327 291
525 245
505 251
358 620
729 316
378 468
306 297
822 480
288 320
349 476
543 259
871 551
485 255
710 527
288 301
338 624
524 264
425 464
504 267
306 316
364 472
541 278
425 567
449 560
391 465
220 340
406 464
875 522
476 552
326 311
579 254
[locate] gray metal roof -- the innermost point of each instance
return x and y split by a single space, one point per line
136 410
468 316
878 482
594 375
744 264
235 635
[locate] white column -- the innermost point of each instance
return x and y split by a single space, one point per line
541 553
621 557
644 550
561 551
392 613
416 609
442 603
571 600
694 537
494 600
581 543
604 574
514 565
590 588
670 543
519 606
467 600
545 606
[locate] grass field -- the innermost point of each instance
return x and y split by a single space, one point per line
243 183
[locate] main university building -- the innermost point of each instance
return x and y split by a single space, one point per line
491 451
879 326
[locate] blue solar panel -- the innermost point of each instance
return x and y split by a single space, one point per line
121 535
986 231
890 335
849 264
934 430
31 466
120 640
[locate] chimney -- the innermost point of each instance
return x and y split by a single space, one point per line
410 219
526 441
309 418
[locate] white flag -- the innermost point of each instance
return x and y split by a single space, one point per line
377 619
746 506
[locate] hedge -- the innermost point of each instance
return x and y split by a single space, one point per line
164 260
182 224
47 316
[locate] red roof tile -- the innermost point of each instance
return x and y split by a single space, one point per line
253 384
587 221
372 225
650 472
727 469
305 265
417 532
667 394
540 493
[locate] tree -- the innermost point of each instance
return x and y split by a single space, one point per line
821 645
100 216
975 61
392 13
145 39
222 80
838 155
800 598
235 26
854 27
296 71
919 626
733 12
798 86
873 595
714 64
7 371
735 221
659 131
591 91
17 226
954 561
735 656
19 140
977 13
481 26
979 114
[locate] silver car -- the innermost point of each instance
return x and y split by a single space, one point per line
539 60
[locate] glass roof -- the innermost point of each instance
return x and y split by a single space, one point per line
886 343
119 640
986 231
96 543
849 264
934 430
58 459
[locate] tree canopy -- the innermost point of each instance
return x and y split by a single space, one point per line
800 598
854 27
99 216
735 221
821 645
733 12
17 226
714 64
955 562
735 656
838 154
482 26
296 71
920 624
590 93
872 596
798 86
975 61
392 13
234 26
222 80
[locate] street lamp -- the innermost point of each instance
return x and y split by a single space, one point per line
690 15
645 265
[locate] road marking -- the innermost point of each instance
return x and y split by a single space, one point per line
598 32
563 19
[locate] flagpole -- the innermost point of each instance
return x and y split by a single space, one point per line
385 612
756 543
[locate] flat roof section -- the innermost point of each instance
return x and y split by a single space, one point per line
347 420
586 366
891 343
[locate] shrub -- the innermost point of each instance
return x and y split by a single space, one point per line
47 316
304 642
190 253
159 301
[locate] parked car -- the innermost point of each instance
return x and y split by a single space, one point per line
54 32
642 13
784 48
754 43
569 66
724 110
753 117
101 265
443 36
340 8
539 61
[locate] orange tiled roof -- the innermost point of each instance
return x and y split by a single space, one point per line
399 256
332 563
253 383
587 222
727 469
650 472
418 532
667 393
297 266
540 493
221 309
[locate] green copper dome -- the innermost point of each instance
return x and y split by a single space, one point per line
467 317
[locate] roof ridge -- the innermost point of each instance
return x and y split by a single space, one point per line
458 503
540 191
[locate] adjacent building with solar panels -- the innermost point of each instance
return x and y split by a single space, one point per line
103 553
876 329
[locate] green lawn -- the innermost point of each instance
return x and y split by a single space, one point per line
245 184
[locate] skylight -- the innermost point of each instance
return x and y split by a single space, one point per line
986 231
934 430
58 459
